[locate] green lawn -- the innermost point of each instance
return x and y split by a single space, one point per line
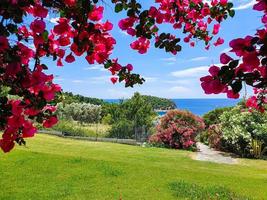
56 168
84 130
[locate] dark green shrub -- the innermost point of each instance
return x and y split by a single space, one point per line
213 117
204 137
134 113
123 129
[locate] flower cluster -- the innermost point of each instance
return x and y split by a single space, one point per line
28 94
196 18
249 68
178 129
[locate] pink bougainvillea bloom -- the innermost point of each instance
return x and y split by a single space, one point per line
59 62
39 11
107 26
51 121
224 58
260 6
219 41
70 3
96 14
62 27
214 70
251 61
126 23
129 67
211 85
141 44
61 53
192 44
223 2
70 58
216 29
3 43
28 130
6 145
232 95
114 79
38 26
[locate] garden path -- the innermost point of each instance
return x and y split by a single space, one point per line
206 153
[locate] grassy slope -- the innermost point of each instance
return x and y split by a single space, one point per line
55 168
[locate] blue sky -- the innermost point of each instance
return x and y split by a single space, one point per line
166 75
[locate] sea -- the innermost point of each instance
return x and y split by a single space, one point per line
196 106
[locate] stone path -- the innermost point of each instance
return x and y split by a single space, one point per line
205 153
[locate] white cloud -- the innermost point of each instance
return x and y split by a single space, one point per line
179 89
191 72
54 20
59 79
201 58
95 67
226 50
100 79
119 94
150 79
179 81
171 63
77 81
171 59
246 5
123 32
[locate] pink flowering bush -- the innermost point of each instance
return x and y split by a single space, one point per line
178 129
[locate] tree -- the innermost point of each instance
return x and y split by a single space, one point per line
139 111
130 115
80 32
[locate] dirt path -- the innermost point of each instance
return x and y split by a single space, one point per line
205 153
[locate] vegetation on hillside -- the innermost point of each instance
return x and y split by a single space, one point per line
159 103
69 97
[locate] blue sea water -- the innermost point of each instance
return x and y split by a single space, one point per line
197 106
202 106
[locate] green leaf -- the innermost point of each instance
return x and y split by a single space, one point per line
44 67
236 86
230 5
45 35
231 13
118 7
233 64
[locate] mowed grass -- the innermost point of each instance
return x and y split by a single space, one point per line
52 168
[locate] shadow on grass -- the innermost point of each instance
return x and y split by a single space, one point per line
193 191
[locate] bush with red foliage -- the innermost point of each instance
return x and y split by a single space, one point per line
178 129
215 136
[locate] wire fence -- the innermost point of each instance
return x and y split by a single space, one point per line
139 139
